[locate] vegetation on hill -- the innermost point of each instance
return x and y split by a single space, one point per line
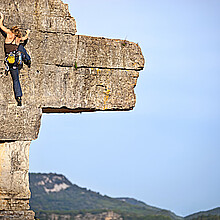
70 215
207 217
213 214
49 197
53 194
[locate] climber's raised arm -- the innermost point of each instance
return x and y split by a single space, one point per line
26 36
6 30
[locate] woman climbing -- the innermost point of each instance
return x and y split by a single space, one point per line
15 53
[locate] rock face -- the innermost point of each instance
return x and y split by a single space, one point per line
69 73
14 184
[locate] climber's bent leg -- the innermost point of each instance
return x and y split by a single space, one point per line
26 58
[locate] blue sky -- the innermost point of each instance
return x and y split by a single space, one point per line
166 151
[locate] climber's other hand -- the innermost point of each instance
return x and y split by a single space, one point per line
28 31
2 16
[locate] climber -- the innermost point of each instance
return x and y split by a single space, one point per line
15 54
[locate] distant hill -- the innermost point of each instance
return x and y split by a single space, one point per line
55 194
55 197
150 208
213 214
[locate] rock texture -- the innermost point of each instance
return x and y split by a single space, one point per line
14 184
69 73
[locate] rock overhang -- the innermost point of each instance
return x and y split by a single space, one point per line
70 73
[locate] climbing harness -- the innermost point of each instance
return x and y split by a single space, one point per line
13 59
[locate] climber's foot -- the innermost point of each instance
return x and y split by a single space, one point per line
29 63
19 101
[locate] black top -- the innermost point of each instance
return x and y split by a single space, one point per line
10 47
7 45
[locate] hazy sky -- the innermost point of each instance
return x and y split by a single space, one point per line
166 151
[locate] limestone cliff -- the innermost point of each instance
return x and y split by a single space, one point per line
69 73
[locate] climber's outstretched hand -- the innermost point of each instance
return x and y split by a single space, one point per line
26 36
6 30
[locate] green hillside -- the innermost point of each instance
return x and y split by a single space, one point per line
213 214
52 193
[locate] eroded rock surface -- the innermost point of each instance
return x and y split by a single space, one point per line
69 73
14 184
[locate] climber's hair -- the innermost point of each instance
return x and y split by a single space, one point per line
15 30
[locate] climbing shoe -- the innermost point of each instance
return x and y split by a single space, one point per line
29 63
19 101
